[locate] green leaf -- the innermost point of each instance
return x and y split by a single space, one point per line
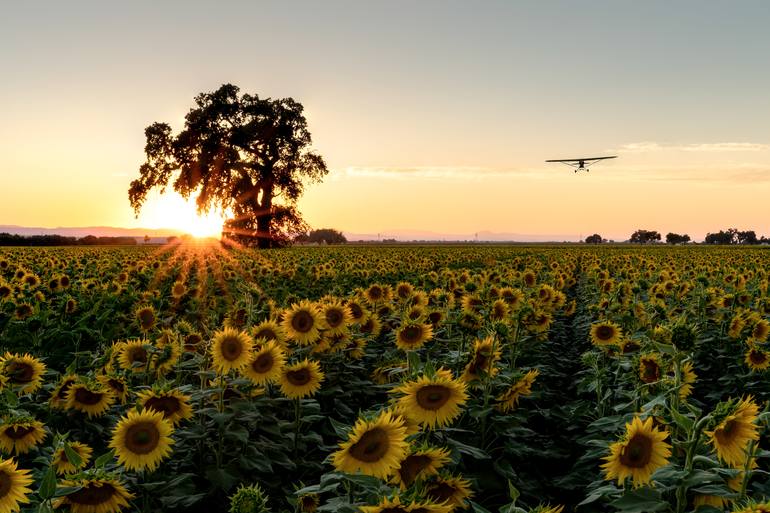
105 458
642 500
72 456
48 484
513 492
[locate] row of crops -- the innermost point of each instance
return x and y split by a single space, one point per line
384 379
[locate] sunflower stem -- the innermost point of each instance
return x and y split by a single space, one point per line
297 415
747 469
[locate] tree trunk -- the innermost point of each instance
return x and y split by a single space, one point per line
265 216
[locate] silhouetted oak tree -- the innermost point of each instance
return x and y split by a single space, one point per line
238 153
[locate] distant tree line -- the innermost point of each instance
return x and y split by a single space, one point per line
729 236
323 235
12 239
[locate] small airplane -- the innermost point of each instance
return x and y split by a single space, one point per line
579 164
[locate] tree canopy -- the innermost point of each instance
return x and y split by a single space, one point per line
675 238
644 236
594 239
323 235
238 153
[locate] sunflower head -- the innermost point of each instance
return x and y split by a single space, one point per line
20 434
14 486
71 457
413 335
266 363
146 317
302 323
23 372
433 400
374 447
606 333
300 380
420 464
249 499
173 404
732 429
638 454
231 350
141 440
95 491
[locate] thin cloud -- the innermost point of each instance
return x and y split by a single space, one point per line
649 146
437 172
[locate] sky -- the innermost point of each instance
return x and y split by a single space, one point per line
433 116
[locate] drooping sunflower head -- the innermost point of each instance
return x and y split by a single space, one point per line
249 499
302 323
509 399
23 372
413 335
450 490
605 333
395 505
433 400
231 350
95 493
688 379
371 326
499 311
302 379
173 404
308 502
760 331
79 456
650 368
14 485
357 311
420 464
58 399
141 440
486 354
116 384
638 454
146 317
266 363
374 447
91 398
18 435
734 427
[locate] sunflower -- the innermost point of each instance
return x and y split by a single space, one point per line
374 447
509 399
547 508
301 379
58 399
20 435
731 436
308 502
13 486
640 452
395 505
355 348
63 465
178 290
302 323
499 311
142 439
649 368
404 291
23 371
688 378
268 330
133 355
231 350
169 350
91 398
413 335
336 317
760 331
371 326
757 359
449 490
266 364
418 465
375 293
116 385
146 317
433 400
95 495
173 404
606 333
485 355
357 311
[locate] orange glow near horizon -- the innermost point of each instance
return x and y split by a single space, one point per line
171 211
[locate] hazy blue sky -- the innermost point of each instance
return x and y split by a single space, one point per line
445 108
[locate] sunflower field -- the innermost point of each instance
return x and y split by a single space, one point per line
414 379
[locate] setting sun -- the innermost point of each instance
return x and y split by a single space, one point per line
170 210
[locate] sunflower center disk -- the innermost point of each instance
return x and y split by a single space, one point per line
637 453
263 363
231 349
142 438
87 397
302 321
20 372
372 446
5 484
298 377
92 495
166 405
433 397
18 432
411 468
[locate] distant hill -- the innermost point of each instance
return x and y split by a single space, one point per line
481 236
